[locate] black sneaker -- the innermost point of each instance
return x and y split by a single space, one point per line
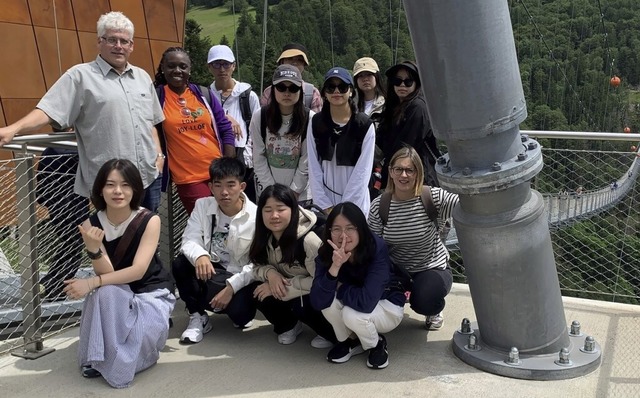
89 372
344 350
379 356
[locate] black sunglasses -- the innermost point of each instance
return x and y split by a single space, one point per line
283 87
398 82
331 88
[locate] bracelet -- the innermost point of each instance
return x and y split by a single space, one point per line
100 280
161 155
94 256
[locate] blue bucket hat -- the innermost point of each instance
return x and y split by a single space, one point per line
340 73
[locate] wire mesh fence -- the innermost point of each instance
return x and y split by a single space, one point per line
590 195
40 246
591 200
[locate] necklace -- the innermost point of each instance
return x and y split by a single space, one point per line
115 226
286 119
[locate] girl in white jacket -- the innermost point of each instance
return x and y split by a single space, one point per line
283 252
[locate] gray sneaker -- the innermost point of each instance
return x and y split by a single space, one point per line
434 322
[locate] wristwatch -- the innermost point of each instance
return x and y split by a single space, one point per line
94 256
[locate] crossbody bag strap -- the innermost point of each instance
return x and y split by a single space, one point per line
128 235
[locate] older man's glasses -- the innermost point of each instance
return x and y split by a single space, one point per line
114 41
397 171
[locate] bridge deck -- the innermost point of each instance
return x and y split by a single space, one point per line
251 363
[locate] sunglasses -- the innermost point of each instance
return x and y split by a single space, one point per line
398 82
281 87
331 88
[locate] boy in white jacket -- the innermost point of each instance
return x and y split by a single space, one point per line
213 271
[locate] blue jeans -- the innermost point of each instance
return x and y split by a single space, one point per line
151 198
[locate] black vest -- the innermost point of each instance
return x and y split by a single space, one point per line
347 144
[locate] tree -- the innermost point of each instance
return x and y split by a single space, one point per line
198 48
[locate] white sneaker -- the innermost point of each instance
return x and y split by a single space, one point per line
198 326
434 322
321 342
290 336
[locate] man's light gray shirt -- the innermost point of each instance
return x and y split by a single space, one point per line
112 115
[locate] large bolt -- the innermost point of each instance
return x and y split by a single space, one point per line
496 166
442 160
532 145
563 358
514 357
589 345
524 138
473 343
522 156
575 329
466 171
465 326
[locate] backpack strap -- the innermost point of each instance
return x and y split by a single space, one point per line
308 90
425 197
429 206
206 93
245 108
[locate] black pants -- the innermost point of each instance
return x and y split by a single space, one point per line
284 315
429 290
197 294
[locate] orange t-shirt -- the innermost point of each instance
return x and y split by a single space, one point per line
191 140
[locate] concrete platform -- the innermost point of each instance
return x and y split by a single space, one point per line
251 363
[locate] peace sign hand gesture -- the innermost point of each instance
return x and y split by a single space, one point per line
339 256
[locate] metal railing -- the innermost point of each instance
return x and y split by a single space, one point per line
594 232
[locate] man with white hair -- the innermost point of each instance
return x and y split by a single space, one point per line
113 108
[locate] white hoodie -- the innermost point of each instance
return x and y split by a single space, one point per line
232 107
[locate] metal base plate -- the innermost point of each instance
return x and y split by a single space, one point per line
531 367
28 354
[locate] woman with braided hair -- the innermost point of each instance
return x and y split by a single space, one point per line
195 130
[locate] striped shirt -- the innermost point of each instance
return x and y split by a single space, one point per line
413 240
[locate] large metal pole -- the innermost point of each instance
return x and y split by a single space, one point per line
470 76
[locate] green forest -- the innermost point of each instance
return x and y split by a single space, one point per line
568 52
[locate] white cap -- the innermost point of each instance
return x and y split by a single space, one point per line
220 53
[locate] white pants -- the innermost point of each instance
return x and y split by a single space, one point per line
345 321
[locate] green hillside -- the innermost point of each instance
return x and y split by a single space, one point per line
215 22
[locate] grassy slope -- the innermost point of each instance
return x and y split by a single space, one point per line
216 22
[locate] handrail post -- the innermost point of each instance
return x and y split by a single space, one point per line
33 347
